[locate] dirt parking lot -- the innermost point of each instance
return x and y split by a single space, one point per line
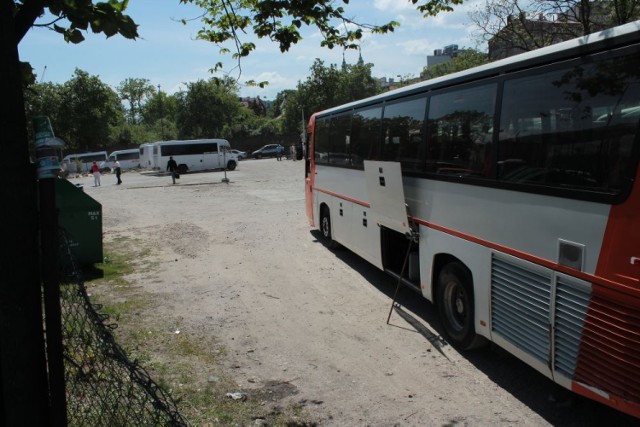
238 264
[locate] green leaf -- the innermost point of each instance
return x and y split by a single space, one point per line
128 29
74 36
118 6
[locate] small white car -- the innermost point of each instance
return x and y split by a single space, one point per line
241 154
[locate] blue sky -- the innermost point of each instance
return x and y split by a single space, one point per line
167 53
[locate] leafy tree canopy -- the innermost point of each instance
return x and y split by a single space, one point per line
159 106
90 108
326 87
84 110
135 90
225 21
206 109
71 18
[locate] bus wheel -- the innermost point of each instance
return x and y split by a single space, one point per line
231 165
455 306
325 227
182 169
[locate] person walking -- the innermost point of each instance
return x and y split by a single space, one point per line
96 174
279 150
172 166
118 171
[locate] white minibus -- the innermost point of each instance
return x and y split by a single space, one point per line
81 162
129 159
195 155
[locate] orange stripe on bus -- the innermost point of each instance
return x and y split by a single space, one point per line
340 196
606 282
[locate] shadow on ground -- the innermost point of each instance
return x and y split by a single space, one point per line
555 404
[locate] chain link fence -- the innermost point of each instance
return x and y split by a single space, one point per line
103 387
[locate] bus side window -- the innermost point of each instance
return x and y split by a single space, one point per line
355 141
459 140
404 133
339 140
365 135
572 136
321 141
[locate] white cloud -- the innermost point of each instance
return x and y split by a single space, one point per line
417 47
392 6
277 83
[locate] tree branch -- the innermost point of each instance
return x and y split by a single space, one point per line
48 24
26 16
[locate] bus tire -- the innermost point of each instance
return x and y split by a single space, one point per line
231 165
325 227
456 306
182 169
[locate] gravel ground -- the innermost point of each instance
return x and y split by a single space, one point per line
239 262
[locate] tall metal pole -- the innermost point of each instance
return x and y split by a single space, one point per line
224 159
47 167
161 114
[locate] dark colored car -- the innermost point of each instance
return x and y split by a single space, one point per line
268 150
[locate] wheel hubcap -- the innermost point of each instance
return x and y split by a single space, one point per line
459 305
456 309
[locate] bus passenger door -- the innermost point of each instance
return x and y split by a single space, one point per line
387 207
341 227
386 195
309 179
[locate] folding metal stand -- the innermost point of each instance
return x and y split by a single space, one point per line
412 236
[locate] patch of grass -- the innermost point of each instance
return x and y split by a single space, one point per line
185 345
115 266
188 366
124 256
118 309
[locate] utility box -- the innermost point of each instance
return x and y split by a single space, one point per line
81 217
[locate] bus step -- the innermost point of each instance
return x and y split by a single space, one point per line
405 282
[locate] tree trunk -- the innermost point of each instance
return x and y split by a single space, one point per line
23 392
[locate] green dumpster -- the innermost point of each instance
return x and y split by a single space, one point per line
81 217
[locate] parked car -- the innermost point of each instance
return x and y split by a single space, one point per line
268 150
241 154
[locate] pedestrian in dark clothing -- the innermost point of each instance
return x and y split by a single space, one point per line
118 171
172 166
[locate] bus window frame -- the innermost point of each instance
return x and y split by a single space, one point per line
492 179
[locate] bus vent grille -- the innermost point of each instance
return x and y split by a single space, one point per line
572 302
603 328
520 299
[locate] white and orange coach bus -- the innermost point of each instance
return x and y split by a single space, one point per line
519 180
